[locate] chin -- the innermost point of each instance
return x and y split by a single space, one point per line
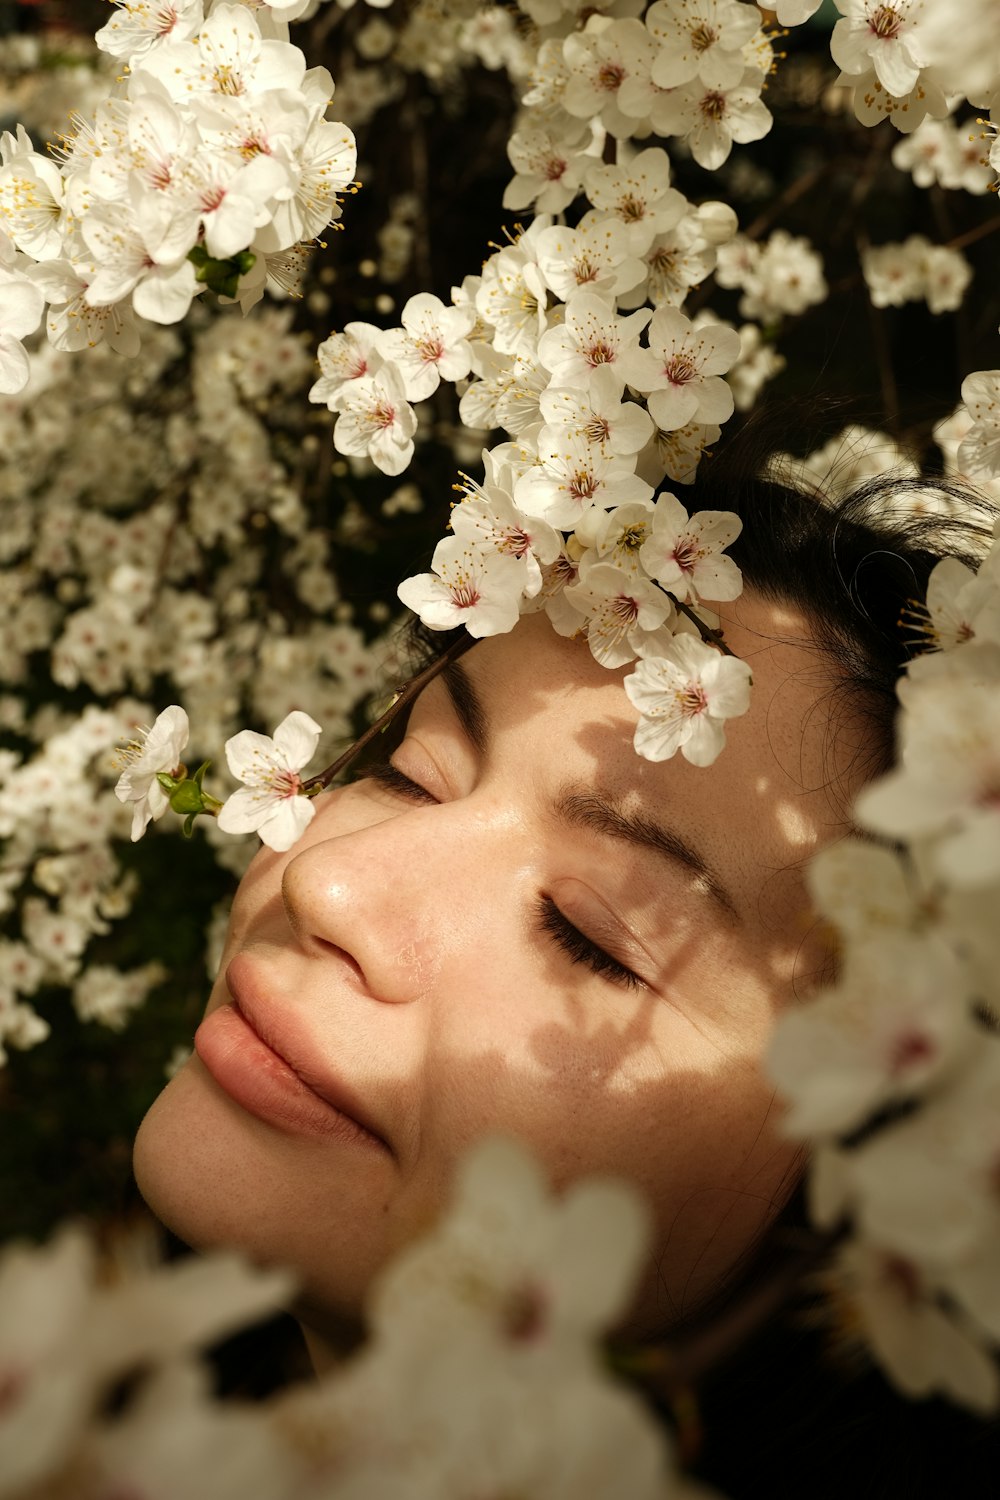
219 1179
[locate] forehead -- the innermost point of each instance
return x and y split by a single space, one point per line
779 789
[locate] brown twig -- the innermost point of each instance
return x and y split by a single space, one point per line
400 700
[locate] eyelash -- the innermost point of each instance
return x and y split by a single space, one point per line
580 949
575 944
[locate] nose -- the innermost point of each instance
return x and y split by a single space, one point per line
402 903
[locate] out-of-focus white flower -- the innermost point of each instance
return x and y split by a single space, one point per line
532 1272
898 273
21 308
470 585
782 277
684 696
599 60
979 450
945 784
174 1439
920 1347
270 801
896 1023
159 749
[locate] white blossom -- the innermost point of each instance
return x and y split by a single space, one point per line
684 553
270 802
681 371
375 419
471 585
431 345
684 695
158 750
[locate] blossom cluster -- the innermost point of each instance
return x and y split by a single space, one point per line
574 341
892 1074
481 1373
208 167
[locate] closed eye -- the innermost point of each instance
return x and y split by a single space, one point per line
579 948
393 780
582 949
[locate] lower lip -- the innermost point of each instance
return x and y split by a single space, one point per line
254 1076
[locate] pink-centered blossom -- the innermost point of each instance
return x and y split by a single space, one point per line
471 585
681 370
270 803
684 697
375 419
685 553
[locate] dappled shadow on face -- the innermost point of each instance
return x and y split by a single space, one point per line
398 946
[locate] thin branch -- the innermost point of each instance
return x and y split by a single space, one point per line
401 699
709 636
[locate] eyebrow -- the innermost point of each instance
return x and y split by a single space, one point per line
586 809
582 808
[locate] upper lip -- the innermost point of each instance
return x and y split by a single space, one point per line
279 1029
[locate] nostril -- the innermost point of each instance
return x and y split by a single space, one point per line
327 950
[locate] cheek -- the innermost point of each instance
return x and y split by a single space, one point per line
693 1128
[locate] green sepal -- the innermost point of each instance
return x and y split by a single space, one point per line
188 797
188 825
222 276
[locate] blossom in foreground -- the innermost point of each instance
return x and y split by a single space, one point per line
683 697
945 784
521 1270
159 750
270 801
884 1298
897 1024
66 1337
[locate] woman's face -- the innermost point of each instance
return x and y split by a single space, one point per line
530 931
